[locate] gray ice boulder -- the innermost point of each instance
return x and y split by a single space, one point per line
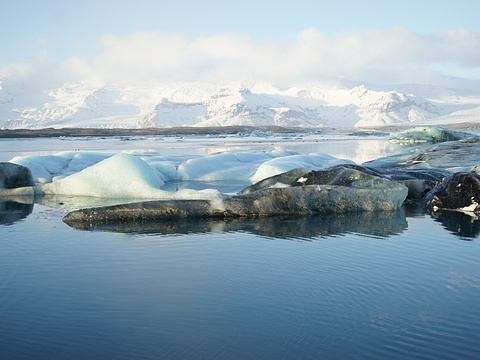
461 191
14 176
340 190
418 181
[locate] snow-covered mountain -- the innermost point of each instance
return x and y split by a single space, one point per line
95 104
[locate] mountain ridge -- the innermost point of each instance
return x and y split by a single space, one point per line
95 104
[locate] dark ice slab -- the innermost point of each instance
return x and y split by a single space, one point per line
14 176
460 191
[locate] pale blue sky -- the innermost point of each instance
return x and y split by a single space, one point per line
56 30
71 28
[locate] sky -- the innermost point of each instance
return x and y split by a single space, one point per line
284 42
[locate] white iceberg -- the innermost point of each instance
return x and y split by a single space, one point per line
144 174
46 168
313 161
43 168
227 166
121 176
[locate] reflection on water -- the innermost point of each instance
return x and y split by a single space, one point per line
225 291
379 223
12 211
382 224
458 223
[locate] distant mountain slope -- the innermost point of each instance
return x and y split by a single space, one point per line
99 105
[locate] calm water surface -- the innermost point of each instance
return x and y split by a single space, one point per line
363 286
396 285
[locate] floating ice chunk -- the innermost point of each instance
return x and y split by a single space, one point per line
120 176
313 161
14 176
470 208
428 134
43 168
259 133
447 155
46 168
226 166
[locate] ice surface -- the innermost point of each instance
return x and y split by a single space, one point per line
45 168
280 165
42 167
227 166
121 175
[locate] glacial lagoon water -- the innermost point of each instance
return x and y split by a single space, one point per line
401 285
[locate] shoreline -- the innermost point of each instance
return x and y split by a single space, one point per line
226 130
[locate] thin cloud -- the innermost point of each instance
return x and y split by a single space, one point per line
393 55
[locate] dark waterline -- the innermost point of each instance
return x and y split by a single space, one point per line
398 285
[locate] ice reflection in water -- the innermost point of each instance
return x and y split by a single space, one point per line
465 226
12 211
380 223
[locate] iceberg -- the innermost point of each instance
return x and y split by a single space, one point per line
109 175
418 181
428 134
43 168
120 176
14 176
455 156
46 168
227 166
15 180
337 190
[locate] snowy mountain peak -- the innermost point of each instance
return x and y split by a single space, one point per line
100 105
